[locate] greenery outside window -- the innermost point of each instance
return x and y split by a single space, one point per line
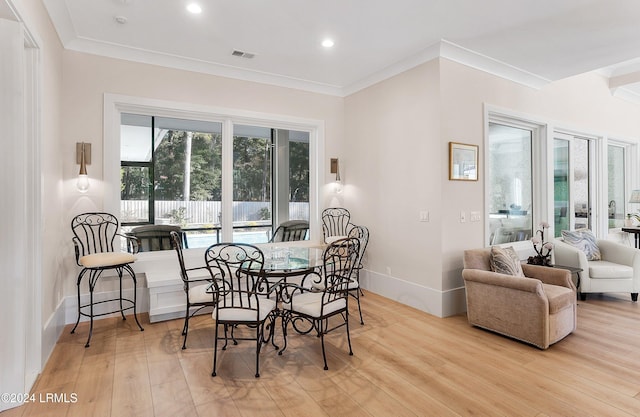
172 173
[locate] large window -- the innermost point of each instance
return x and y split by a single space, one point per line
536 172
173 172
510 183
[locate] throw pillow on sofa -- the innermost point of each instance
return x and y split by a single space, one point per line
584 240
505 261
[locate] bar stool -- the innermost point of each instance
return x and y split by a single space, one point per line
94 235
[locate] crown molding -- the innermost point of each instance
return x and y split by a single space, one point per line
427 54
493 66
625 94
143 56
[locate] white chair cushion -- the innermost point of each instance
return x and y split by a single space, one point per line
241 314
330 239
353 284
609 270
99 260
199 294
310 304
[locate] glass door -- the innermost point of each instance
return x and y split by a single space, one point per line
616 185
510 183
573 182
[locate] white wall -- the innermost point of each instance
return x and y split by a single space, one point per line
51 162
392 171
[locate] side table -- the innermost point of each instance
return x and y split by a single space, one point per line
636 234
573 271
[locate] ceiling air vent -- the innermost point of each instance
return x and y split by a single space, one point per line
242 54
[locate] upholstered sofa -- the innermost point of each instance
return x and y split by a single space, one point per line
618 270
539 309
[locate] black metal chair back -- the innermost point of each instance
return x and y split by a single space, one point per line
176 243
336 221
154 237
94 233
238 269
290 231
340 259
362 234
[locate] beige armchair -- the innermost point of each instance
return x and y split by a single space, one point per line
539 309
617 271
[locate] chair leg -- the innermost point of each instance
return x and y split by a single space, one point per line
90 317
634 296
359 308
120 273
215 350
324 355
349 334
258 345
78 284
185 328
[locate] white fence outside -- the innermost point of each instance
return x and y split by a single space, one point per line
207 213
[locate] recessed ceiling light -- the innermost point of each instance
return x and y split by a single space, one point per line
194 8
327 43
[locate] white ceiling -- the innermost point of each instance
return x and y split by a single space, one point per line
530 41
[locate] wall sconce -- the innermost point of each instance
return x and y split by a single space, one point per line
335 169
83 157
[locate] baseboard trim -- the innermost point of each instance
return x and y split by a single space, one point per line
435 302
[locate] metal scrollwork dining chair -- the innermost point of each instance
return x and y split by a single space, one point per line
355 290
154 237
239 291
336 223
94 241
318 305
290 231
196 281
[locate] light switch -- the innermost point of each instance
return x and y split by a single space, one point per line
463 217
424 216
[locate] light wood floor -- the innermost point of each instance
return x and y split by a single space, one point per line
405 363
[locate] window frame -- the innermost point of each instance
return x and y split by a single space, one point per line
115 105
543 197
540 170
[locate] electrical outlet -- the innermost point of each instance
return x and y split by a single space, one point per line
463 217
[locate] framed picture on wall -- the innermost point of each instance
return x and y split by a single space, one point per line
463 162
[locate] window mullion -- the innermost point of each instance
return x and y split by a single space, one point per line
227 181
